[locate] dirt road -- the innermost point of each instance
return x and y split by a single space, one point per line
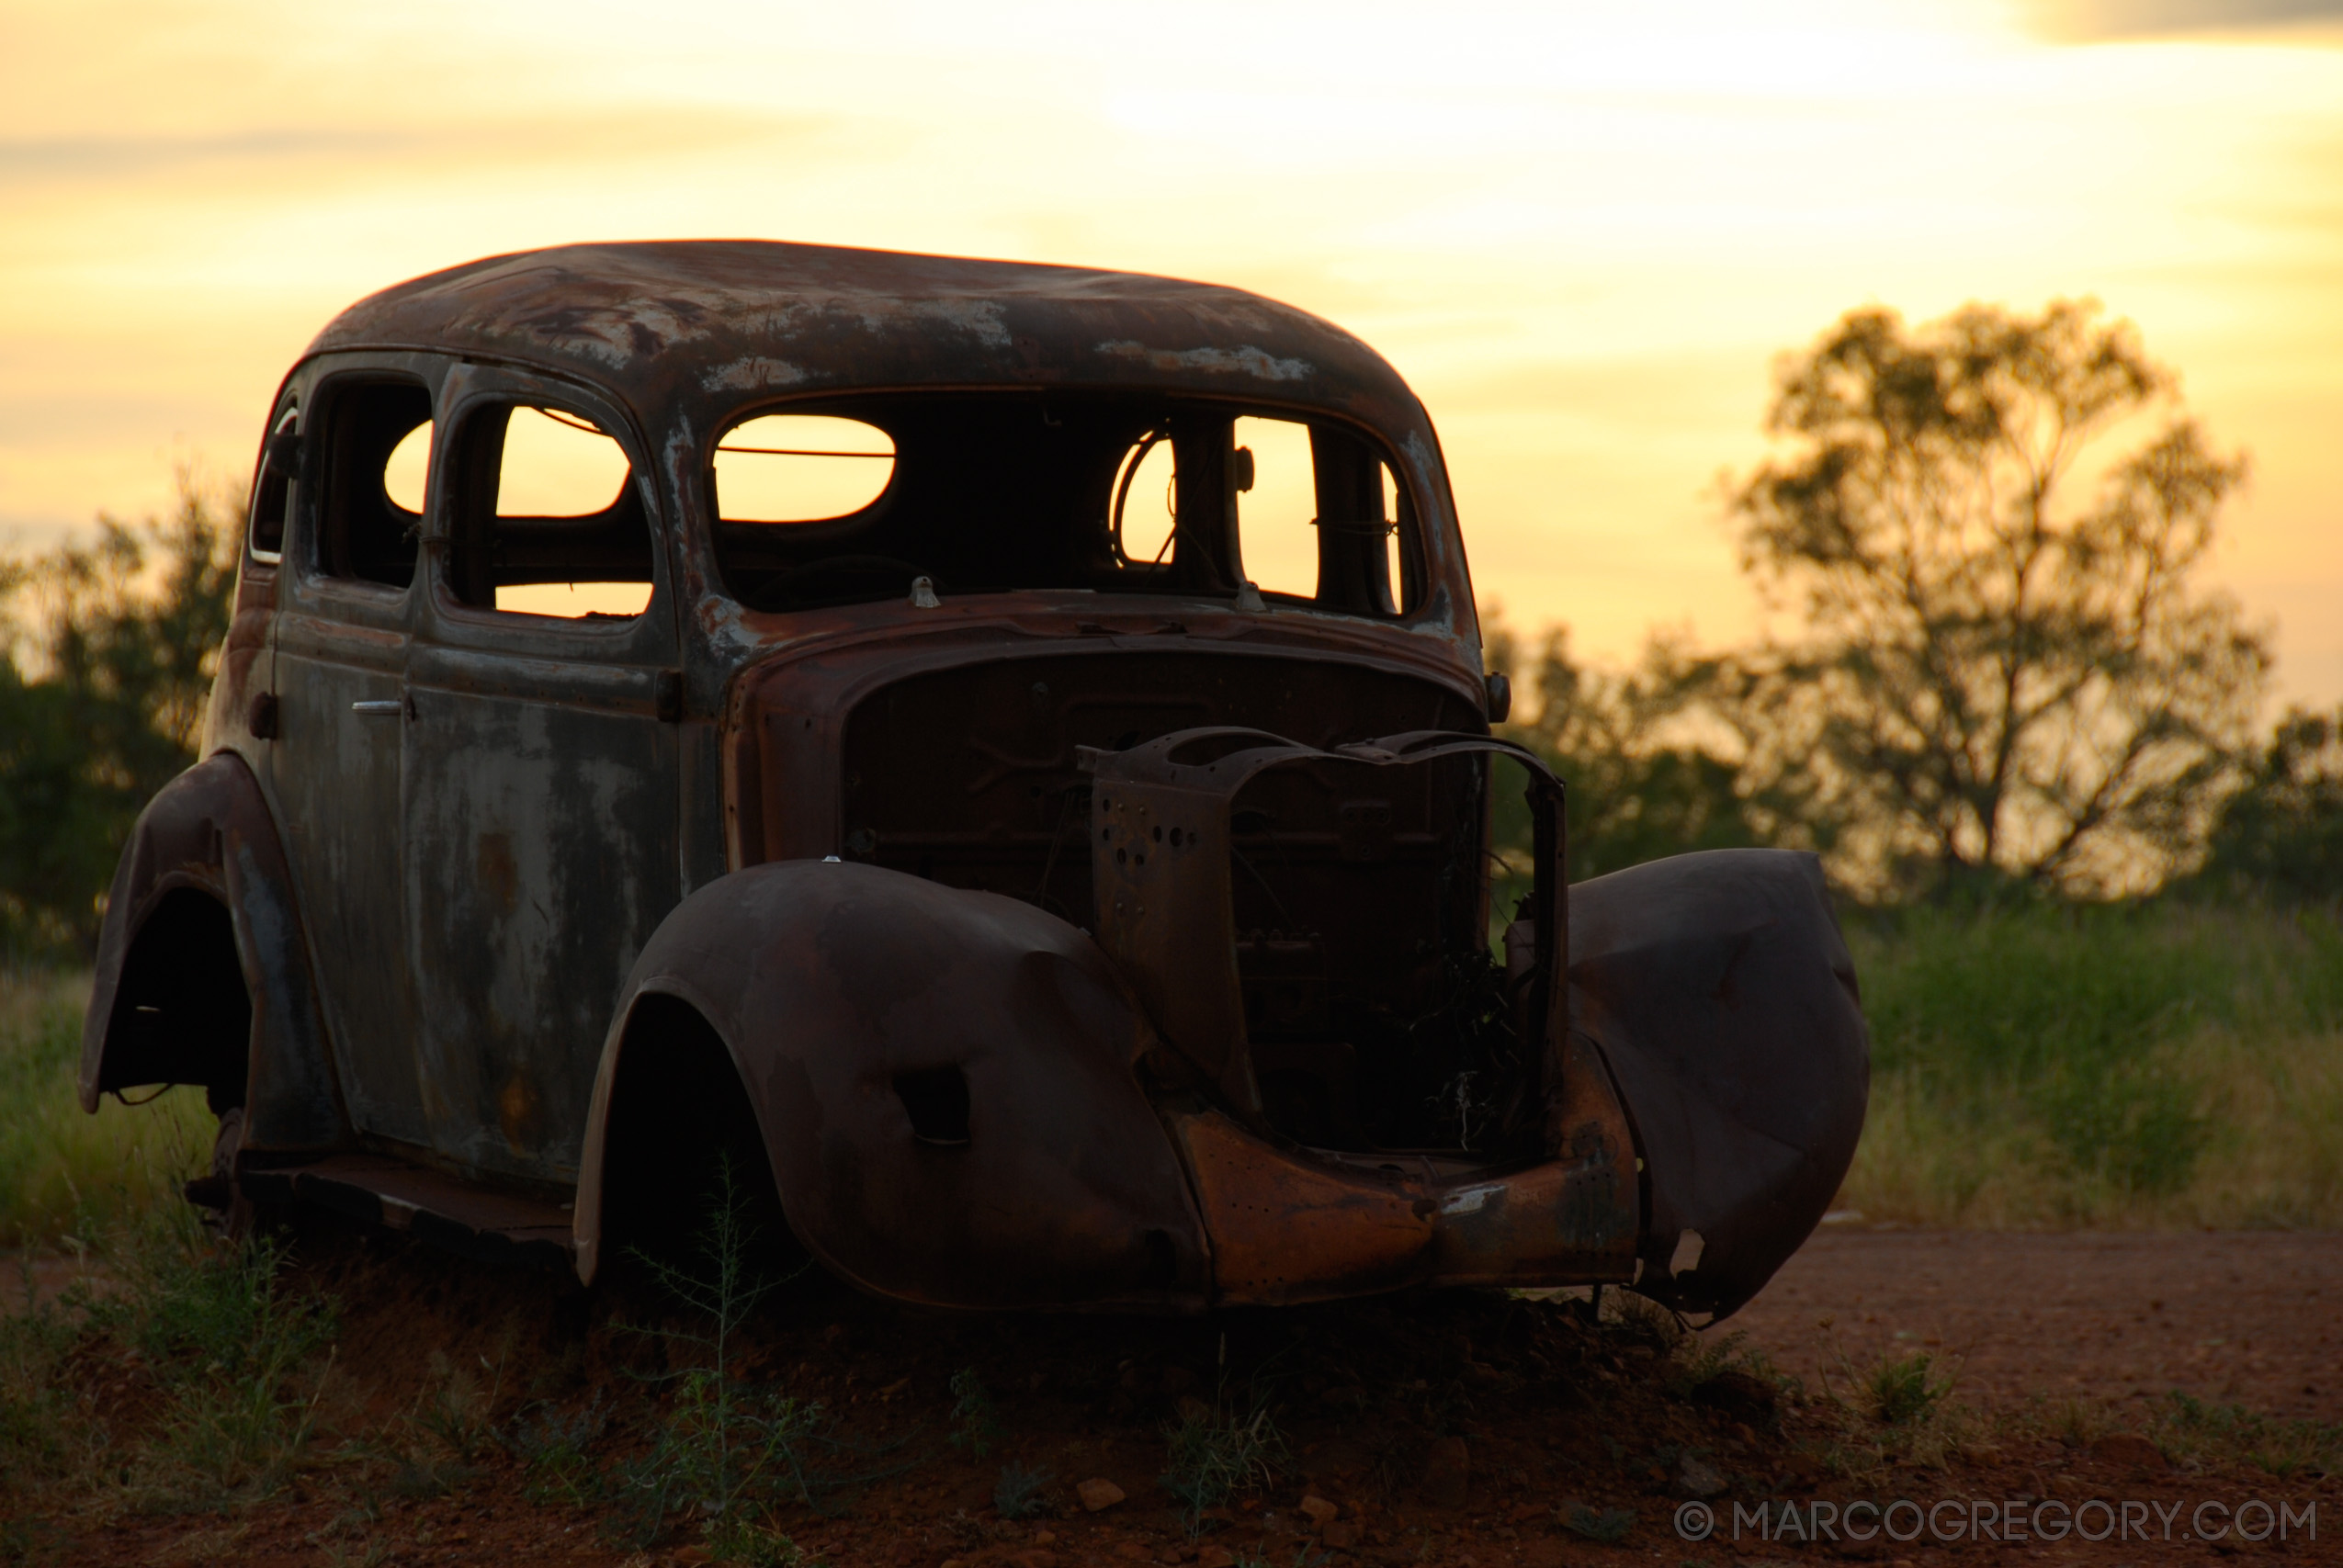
2250 1318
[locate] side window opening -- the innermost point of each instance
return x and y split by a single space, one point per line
1277 503
368 531
1146 507
1308 512
1362 522
272 486
406 473
546 519
852 500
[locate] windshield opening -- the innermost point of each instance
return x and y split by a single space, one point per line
995 491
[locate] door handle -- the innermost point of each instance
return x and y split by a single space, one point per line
387 705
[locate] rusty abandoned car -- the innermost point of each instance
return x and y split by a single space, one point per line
1003 749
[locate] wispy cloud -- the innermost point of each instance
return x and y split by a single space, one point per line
2089 20
98 160
94 157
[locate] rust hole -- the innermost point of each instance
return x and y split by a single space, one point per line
936 1099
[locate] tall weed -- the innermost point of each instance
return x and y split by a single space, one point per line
232 1351
725 1454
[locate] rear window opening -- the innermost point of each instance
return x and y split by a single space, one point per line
851 500
546 519
796 468
376 472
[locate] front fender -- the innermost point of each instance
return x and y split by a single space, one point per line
851 998
1725 1001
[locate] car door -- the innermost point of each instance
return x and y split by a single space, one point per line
540 784
340 643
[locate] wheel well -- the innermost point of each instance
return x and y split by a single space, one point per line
678 1113
181 1013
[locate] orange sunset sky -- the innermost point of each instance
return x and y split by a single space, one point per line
1582 231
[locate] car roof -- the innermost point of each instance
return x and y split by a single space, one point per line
720 321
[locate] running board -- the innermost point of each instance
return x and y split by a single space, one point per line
472 1222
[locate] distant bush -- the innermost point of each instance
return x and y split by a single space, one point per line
2104 1065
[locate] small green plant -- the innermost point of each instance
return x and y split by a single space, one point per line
556 1452
1700 1361
1608 1527
1020 1493
1632 1320
1218 1450
976 1420
1905 1391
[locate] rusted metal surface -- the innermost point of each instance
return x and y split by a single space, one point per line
1552 1199
845 993
455 850
1726 1001
700 327
1164 866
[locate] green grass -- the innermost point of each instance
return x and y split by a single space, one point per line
60 1168
2162 1065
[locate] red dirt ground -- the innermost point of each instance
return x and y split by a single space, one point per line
1461 1429
2254 1318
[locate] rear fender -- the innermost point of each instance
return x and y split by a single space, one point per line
945 1082
208 833
1725 1001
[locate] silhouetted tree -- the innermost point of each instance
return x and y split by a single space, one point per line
2280 835
1635 791
109 649
1994 679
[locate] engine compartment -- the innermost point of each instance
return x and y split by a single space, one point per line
1375 1019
